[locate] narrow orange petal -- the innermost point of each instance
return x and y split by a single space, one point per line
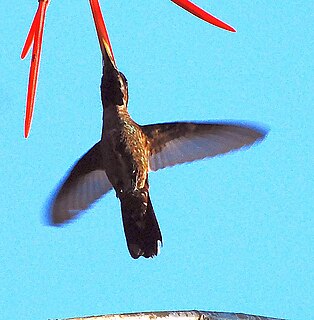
102 33
202 14
33 75
30 37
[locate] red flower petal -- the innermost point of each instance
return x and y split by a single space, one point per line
30 37
101 28
202 14
36 35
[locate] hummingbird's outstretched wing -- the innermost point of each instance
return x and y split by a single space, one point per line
180 142
85 184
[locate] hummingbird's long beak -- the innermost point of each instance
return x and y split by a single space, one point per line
112 93
202 14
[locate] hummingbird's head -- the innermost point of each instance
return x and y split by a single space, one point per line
114 85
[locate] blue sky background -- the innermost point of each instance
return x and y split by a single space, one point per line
237 229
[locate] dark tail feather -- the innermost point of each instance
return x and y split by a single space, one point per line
140 225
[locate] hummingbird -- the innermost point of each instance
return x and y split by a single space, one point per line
127 152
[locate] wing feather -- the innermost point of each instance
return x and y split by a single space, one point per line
85 184
181 142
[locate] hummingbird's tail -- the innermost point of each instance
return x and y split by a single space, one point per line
140 224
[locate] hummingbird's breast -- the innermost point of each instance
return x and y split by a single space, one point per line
126 151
